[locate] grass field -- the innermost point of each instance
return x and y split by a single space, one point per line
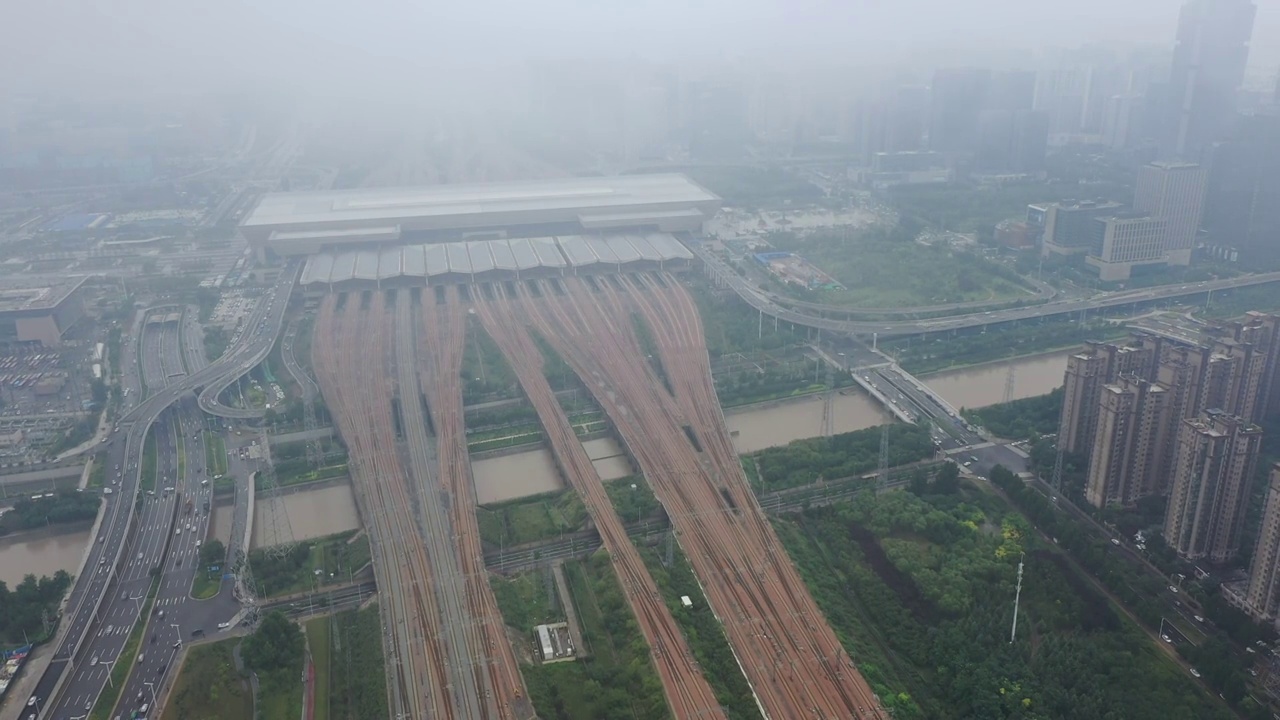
879 273
320 645
327 472
529 519
215 453
632 498
617 680
350 673
208 686
182 451
203 586
333 556
148 479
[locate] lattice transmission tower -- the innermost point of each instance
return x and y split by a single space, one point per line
278 534
1010 378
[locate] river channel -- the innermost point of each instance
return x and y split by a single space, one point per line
43 552
329 509
983 385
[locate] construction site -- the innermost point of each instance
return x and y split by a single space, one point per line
389 364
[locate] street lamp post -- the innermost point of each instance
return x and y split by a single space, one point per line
152 688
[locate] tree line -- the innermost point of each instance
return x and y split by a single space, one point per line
66 506
31 607
840 456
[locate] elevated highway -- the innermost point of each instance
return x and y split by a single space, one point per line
103 568
763 302
256 341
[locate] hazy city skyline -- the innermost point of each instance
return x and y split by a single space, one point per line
339 47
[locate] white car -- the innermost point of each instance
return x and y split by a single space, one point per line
177 531
1173 590
224 625
1194 672
93 661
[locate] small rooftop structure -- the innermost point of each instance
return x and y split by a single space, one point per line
554 642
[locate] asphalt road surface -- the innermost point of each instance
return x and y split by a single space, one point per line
107 569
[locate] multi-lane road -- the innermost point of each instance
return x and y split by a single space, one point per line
762 301
108 567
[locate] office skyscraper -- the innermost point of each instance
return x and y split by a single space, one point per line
957 100
1209 58
1213 466
1173 192
1242 206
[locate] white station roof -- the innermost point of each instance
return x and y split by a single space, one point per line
486 256
586 198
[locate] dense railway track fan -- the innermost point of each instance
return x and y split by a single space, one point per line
389 365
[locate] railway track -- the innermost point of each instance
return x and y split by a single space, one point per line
687 691
450 657
796 666
348 352
441 345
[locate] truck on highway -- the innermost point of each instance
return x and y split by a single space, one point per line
188 509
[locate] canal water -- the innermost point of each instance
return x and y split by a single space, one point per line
330 509
314 512
760 426
41 553
983 385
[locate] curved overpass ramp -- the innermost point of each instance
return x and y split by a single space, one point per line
261 331
762 302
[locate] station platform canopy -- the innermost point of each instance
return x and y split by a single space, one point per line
486 259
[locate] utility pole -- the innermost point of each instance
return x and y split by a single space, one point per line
884 456
1009 379
1056 480
1017 596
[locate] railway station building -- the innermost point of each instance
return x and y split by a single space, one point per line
376 219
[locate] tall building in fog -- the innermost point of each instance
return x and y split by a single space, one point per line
716 118
956 102
1242 206
1209 57
1261 596
1213 467
1174 193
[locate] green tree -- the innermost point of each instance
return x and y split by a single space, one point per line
212 552
947 481
275 648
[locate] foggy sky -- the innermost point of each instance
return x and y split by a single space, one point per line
92 46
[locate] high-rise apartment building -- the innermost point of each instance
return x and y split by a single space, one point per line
1213 467
1127 462
1261 595
1262 331
1209 58
1123 402
1174 193
1087 372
